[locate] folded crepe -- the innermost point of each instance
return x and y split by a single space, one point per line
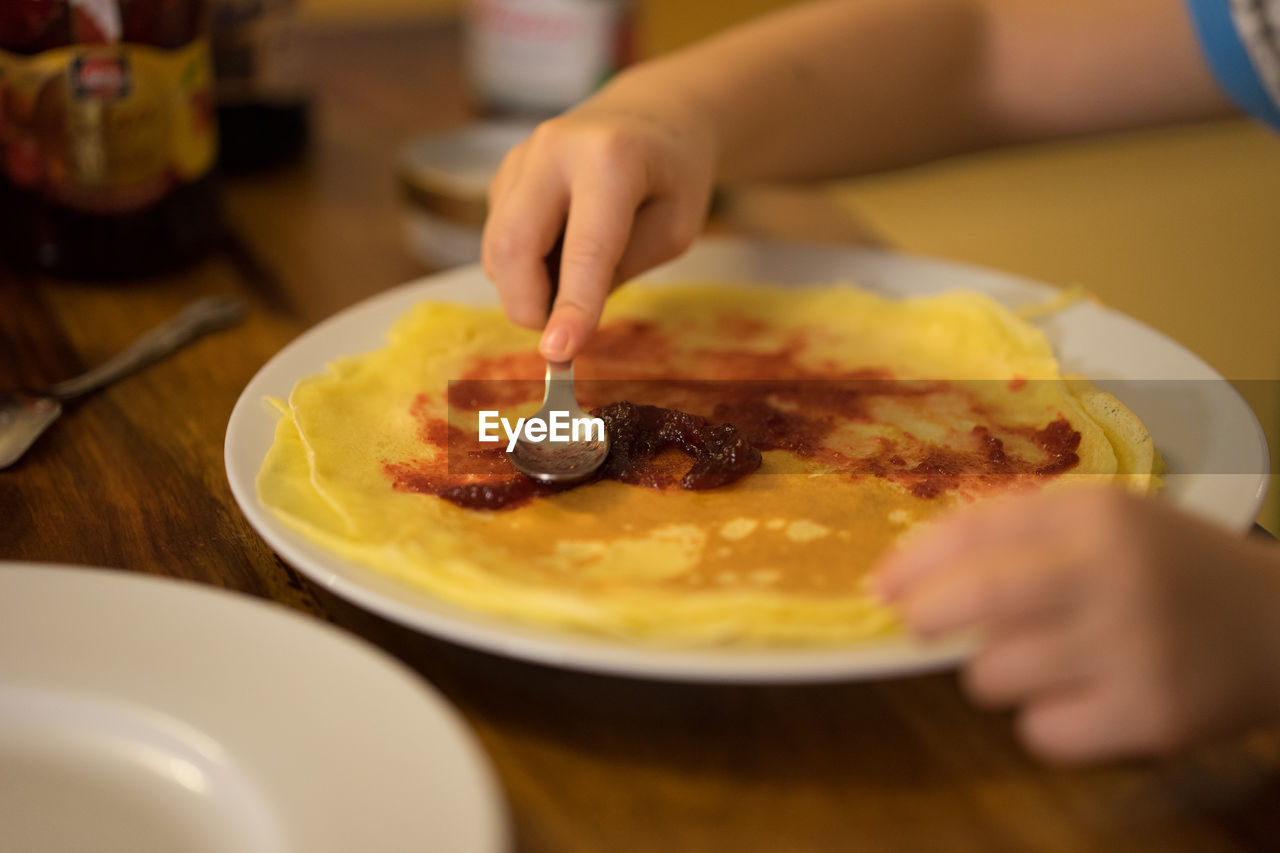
873 416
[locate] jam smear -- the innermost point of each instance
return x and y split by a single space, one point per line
945 469
463 471
724 420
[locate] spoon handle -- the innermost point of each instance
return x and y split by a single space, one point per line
559 394
198 318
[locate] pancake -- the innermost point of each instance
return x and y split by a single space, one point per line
872 415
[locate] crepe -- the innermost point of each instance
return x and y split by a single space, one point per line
874 416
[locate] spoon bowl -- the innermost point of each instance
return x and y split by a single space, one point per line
562 462
23 417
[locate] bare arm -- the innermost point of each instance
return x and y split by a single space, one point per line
823 89
845 86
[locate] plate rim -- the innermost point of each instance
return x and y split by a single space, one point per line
586 653
493 829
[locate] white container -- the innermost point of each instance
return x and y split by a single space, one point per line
541 57
444 179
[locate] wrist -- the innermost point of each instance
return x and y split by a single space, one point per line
652 96
660 93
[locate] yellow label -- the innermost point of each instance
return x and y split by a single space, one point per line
107 128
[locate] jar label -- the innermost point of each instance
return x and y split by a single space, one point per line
107 128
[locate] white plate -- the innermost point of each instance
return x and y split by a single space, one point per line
147 715
1208 434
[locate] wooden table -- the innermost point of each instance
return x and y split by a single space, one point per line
133 479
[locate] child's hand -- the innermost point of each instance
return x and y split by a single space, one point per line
628 181
1116 625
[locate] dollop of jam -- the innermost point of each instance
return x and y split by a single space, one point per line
483 479
638 433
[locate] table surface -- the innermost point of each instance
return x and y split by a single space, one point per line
133 478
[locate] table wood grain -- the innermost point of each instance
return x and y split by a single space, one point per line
132 478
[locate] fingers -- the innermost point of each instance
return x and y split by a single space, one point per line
926 553
526 214
603 206
1078 519
1002 563
1020 665
663 228
934 549
1002 587
1082 725
627 188
1072 629
1101 615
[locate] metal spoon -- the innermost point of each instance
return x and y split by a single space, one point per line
562 462
24 415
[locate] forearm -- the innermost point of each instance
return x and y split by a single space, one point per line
849 86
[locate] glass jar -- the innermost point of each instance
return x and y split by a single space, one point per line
108 137
264 113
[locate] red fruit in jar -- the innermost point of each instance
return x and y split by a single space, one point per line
161 23
23 162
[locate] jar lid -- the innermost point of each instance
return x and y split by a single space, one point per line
448 173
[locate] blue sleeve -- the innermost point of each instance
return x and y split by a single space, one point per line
1229 59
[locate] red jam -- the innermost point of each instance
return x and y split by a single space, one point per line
637 434
480 477
722 422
